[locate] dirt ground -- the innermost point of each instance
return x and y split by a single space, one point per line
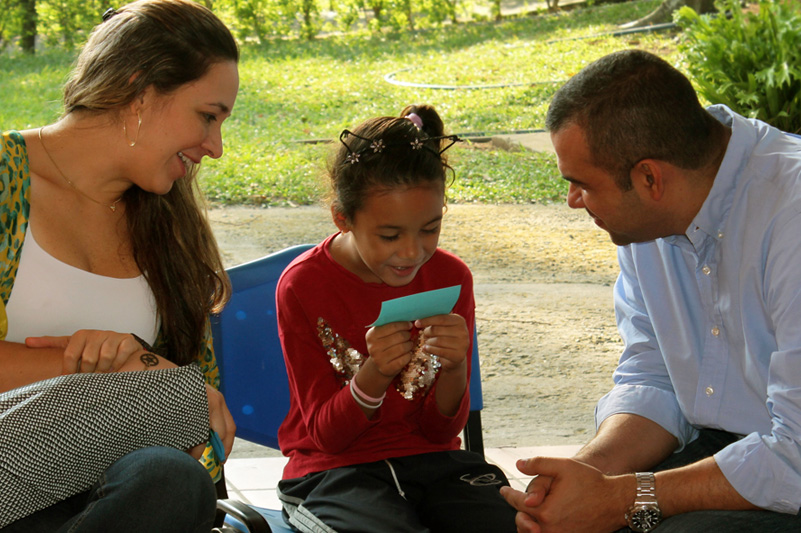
543 284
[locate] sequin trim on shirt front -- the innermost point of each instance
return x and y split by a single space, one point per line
413 381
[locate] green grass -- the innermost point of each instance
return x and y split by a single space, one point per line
295 90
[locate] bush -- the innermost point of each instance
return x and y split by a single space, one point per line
748 61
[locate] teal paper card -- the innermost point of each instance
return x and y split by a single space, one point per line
420 305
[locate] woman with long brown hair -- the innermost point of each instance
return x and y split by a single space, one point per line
109 262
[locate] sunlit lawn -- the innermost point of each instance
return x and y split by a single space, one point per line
298 91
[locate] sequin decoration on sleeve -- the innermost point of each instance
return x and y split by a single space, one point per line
345 360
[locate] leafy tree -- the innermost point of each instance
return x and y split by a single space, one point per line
27 11
310 25
7 23
377 7
62 23
68 22
496 9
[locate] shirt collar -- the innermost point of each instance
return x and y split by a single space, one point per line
711 218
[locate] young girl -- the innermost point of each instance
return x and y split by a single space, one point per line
375 414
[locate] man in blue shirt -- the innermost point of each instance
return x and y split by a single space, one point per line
705 206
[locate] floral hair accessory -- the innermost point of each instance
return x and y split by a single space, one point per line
377 146
416 120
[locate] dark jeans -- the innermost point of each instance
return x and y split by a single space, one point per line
707 444
152 489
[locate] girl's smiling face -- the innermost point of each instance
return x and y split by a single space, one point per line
394 233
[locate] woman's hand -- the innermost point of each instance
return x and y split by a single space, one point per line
91 350
220 420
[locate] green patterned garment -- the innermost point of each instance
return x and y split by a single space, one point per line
15 182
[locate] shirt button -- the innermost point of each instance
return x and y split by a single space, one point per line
720 235
706 270
716 331
709 391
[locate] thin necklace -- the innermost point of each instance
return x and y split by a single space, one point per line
112 206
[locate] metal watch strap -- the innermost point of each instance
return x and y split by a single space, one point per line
644 514
646 487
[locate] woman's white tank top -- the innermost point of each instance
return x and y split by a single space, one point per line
53 298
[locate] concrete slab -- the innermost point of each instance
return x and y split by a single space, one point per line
537 142
253 480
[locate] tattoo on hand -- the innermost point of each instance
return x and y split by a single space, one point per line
149 359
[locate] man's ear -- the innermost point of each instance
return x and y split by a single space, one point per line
648 175
340 219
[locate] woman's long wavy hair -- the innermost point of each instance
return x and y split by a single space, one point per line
163 44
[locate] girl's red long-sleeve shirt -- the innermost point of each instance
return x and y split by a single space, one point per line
320 305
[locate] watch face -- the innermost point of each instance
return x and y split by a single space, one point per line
645 518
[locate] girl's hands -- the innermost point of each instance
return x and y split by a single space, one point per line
390 347
446 336
90 350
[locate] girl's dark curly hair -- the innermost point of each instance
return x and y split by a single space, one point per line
397 164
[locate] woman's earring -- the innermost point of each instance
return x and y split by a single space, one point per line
138 127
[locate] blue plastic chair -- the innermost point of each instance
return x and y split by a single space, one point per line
254 380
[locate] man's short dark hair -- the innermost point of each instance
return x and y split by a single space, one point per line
633 105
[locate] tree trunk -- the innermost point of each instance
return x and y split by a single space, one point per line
307 6
664 13
28 40
408 8
376 7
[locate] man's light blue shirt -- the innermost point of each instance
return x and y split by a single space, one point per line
711 319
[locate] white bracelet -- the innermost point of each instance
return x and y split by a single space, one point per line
362 402
363 395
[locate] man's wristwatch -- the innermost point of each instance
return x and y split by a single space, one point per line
644 515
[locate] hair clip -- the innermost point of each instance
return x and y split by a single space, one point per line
377 146
110 12
416 120
453 138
